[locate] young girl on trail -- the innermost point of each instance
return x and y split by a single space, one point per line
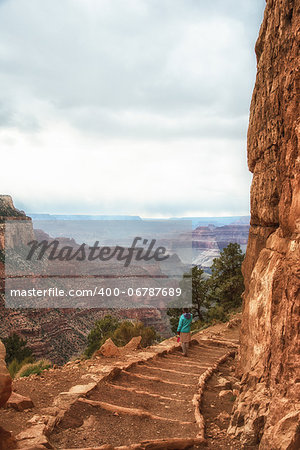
184 330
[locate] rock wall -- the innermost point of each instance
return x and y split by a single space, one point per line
5 380
267 409
20 226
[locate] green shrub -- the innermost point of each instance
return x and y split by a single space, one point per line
16 348
213 297
217 314
127 330
15 365
34 368
120 333
226 281
102 330
123 333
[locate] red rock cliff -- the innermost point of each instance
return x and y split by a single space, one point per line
267 409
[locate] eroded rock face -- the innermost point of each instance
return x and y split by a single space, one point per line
5 379
6 440
20 225
269 401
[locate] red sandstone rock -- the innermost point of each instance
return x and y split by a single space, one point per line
134 343
19 402
7 442
109 349
269 354
33 437
5 379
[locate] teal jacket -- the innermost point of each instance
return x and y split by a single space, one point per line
185 321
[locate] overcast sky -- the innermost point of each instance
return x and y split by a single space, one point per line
127 106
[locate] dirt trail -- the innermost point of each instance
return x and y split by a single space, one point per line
150 401
144 401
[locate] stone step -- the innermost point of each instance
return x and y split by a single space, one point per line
154 386
195 359
144 375
167 407
181 365
178 371
84 423
151 394
168 375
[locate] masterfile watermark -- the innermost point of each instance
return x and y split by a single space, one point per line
67 253
97 263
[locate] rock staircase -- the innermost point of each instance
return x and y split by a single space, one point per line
149 404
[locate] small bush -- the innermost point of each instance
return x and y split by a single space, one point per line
217 314
34 368
15 365
16 348
102 330
127 330
120 333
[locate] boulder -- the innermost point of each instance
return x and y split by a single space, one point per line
286 432
109 349
134 343
33 437
7 442
5 379
19 402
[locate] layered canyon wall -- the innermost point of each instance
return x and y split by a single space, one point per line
54 333
267 408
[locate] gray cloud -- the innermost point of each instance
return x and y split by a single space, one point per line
83 74
165 57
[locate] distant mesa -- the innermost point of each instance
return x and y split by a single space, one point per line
215 221
36 216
